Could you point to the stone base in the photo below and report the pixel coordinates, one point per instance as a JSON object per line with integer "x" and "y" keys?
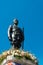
{"x": 18, "y": 56}
{"x": 22, "y": 62}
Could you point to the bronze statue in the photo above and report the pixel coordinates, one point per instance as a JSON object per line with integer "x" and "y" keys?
{"x": 16, "y": 56}
{"x": 15, "y": 34}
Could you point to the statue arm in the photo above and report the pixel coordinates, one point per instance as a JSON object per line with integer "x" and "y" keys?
{"x": 22, "y": 34}
{"x": 9, "y": 32}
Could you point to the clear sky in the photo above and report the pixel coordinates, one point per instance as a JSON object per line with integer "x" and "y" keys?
{"x": 30, "y": 16}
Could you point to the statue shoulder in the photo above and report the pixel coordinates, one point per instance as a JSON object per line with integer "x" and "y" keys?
{"x": 10, "y": 26}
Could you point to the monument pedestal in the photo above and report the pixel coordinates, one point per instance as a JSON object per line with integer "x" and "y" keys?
{"x": 18, "y": 57}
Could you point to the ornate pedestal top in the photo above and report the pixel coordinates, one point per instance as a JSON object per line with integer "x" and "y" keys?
{"x": 18, "y": 56}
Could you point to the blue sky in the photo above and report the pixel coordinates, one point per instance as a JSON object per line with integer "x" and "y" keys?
{"x": 30, "y": 16}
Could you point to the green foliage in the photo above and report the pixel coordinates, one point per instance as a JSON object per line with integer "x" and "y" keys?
{"x": 2, "y": 58}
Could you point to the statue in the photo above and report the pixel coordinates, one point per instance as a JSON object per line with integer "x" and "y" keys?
{"x": 17, "y": 56}
{"x": 15, "y": 35}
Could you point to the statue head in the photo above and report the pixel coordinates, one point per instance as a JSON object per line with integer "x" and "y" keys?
{"x": 15, "y": 21}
